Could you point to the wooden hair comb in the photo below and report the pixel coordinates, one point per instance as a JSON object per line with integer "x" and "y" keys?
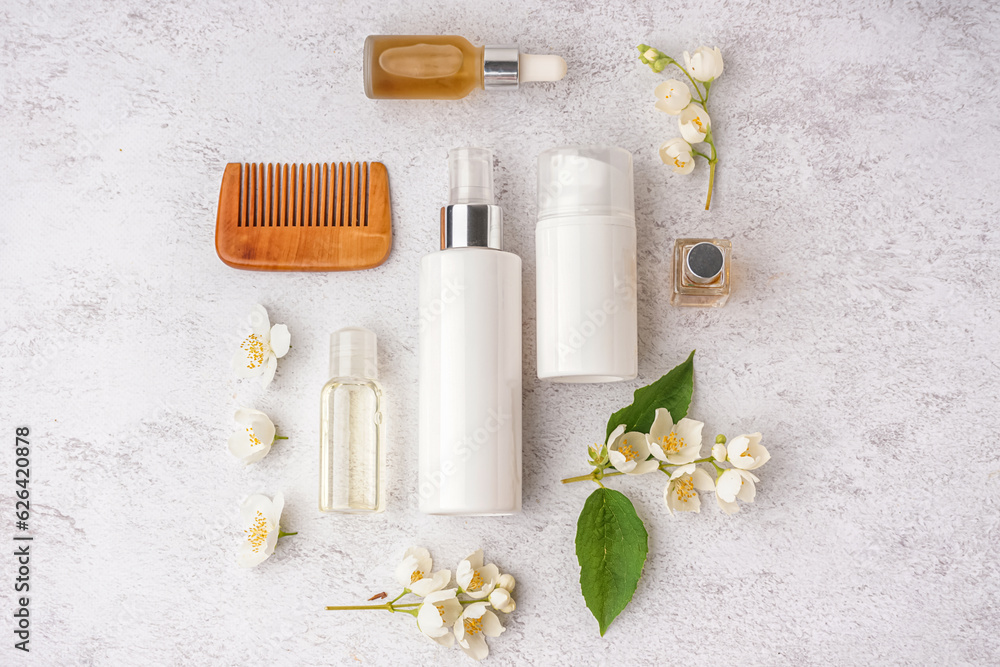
{"x": 315, "y": 217}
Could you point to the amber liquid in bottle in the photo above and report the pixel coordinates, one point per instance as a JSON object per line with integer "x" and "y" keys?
{"x": 429, "y": 67}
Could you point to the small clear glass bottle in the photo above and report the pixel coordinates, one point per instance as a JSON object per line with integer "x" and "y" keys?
{"x": 700, "y": 274}
{"x": 351, "y": 429}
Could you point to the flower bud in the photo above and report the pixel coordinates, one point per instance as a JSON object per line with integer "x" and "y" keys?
{"x": 719, "y": 452}
{"x": 506, "y": 582}
{"x": 501, "y": 600}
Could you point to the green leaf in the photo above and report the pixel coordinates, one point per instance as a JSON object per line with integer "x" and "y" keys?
{"x": 672, "y": 391}
{"x": 611, "y": 546}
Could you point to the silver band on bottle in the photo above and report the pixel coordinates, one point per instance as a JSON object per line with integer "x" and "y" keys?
{"x": 471, "y": 226}
{"x": 500, "y": 67}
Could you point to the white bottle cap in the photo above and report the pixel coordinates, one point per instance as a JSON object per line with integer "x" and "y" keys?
{"x": 541, "y": 68}
{"x": 585, "y": 181}
{"x": 353, "y": 354}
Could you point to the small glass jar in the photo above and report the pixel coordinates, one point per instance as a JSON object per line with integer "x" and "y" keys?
{"x": 700, "y": 275}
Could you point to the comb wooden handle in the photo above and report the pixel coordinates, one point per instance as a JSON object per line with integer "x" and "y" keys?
{"x": 304, "y": 217}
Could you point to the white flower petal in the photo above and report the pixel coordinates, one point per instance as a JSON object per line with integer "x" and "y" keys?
{"x": 665, "y": 107}
{"x": 474, "y": 646}
{"x": 446, "y": 639}
{"x": 747, "y": 492}
{"x": 280, "y": 340}
{"x": 719, "y": 452}
{"x": 475, "y": 559}
{"x": 406, "y": 568}
{"x": 615, "y": 434}
{"x": 727, "y": 507}
{"x": 620, "y": 463}
{"x": 429, "y": 620}
{"x": 637, "y": 441}
{"x": 643, "y": 467}
{"x": 248, "y": 557}
{"x": 728, "y": 485}
{"x": 702, "y": 480}
{"x": 277, "y": 505}
{"x": 272, "y": 366}
{"x": 689, "y": 430}
{"x": 662, "y": 426}
{"x": 259, "y": 322}
{"x": 264, "y": 429}
{"x": 736, "y": 447}
{"x": 684, "y": 470}
{"x": 760, "y": 455}
{"x": 247, "y": 416}
{"x": 491, "y": 625}
{"x": 252, "y": 505}
{"x": 490, "y": 574}
{"x": 475, "y": 610}
{"x": 656, "y": 450}
{"x": 248, "y": 360}
{"x": 239, "y": 444}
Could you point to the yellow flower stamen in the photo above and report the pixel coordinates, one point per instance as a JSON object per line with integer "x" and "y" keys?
{"x": 257, "y": 532}
{"x": 440, "y": 608}
{"x": 627, "y": 451}
{"x": 416, "y": 576}
{"x": 476, "y": 582}
{"x": 254, "y": 347}
{"x": 672, "y": 443}
{"x": 746, "y": 452}
{"x": 697, "y": 121}
{"x": 473, "y": 626}
{"x": 685, "y": 489}
{"x": 254, "y": 440}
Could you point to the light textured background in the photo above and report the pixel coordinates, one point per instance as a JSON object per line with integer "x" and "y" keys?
{"x": 858, "y": 183}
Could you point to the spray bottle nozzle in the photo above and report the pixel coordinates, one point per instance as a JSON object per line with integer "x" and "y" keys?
{"x": 471, "y": 175}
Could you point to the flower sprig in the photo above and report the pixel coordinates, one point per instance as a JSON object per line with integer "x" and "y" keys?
{"x": 674, "y": 450}
{"x": 448, "y": 616}
{"x": 675, "y": 98}
{"x": 643, "y": 438}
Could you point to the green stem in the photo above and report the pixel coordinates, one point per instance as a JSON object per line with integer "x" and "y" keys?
{"x": 711, "y": 183}
{"x": 356, "y": 607}
{"x": 384, "y": 607}
{"x": 281, "y": 437}
{"x": 710, "y": 140}
{"x": 592, "y": 477}
{"x": 405, "y": 591}
{"x": 282, "y": 533}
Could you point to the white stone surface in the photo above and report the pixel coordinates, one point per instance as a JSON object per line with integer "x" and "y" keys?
{"x": 857, "y": 182}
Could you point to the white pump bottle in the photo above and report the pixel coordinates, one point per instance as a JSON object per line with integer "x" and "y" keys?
{"x": 470, "y": 353}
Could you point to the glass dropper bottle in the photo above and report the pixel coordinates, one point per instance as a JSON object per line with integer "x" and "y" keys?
{"x": 448, "y": 67}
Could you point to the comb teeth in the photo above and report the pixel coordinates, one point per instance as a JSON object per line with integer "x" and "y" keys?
{"x": 327, "y": 194}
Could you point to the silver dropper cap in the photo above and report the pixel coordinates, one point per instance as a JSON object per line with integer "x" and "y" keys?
{"x": 471, "y": 219}
{"x": 504, "y": 68}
